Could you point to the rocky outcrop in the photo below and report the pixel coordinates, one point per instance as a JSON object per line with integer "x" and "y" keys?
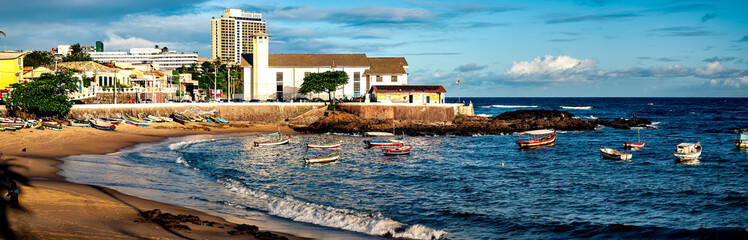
{"x": 510, "y": 122}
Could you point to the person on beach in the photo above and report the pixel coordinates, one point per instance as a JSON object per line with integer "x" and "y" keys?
{"x": 13, "y": 194}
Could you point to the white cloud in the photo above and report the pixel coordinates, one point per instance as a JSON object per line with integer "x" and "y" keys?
{"x": 550, "y": 68}
{"x": 738, "y": 82}
{"x": 116, "y": 43}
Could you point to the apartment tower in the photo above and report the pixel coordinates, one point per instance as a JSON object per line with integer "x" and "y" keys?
{"x": 232, "y": 34}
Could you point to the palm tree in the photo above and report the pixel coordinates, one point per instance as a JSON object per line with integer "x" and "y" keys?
{"x": 2, "y": 33}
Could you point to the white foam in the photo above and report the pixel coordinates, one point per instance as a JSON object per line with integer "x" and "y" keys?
{"x": 183, "y": 144}
{"x": 590, "y": 117}
{"x": 577, "y": 107}
{"x": 297, "y": 210}
{"x": 484, "y": 115}
{"x": 514, "y": 106}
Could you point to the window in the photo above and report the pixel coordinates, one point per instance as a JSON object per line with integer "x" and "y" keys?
{"x": 279, "y": 85}
{"x": 356, "y": 76}
{"x": 394, "y": 78}
{"x": 379, "y": 78}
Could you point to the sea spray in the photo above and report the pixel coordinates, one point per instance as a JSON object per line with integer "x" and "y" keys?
{"x": 351, "y": 220}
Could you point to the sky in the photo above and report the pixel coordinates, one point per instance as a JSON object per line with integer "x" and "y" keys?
{"x": 562, "y": 48}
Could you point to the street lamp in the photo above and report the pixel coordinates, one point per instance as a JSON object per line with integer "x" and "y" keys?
{"x": 458, "y": 91}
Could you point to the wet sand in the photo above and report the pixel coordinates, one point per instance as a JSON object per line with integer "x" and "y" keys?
{"x": 52, "y": 208}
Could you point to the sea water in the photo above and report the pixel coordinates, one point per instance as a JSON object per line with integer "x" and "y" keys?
{"x": 466, "y": 187}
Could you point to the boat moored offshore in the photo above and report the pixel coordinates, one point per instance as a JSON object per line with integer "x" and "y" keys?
{"x": 687, "y": 151}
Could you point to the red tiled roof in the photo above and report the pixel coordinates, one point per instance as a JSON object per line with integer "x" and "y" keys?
{"x": 391, "y": 65}
{"x": 316, "y": 60}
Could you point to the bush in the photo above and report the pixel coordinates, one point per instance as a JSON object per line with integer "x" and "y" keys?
{"x": 45, "y": 96}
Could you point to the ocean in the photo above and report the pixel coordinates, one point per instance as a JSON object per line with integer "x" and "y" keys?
{"x": 465, "y": 187}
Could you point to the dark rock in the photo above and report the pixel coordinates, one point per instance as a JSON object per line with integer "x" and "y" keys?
{"x": 171, "y": 221}
{"x": 533, "y": 114}
{"x": 624, "y": 123}
{"x": 244, "y": 229}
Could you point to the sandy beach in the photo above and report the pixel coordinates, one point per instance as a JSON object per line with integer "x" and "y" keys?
{"x": 52, "y": 208}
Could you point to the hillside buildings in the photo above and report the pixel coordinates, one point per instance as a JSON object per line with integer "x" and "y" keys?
{"x": 232, "y": 34}
{"x": 279, "y": 76}
{"x": 153, "y": 57}
{"x": 11, "y": 68}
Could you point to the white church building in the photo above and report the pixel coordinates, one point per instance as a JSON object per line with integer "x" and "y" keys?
{"x": 279, "y": 76}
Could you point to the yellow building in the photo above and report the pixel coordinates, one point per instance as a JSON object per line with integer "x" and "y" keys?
{"x": 232, "y": 34}
{"x": 11, "y": 68}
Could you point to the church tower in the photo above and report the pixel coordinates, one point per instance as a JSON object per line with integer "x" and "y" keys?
{"x": 256, "y": 74}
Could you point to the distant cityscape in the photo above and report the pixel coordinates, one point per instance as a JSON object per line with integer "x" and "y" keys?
{"x": 241, "y": 68}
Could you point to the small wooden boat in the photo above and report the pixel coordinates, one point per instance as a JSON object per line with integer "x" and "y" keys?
{"x": 398, "y": 140}
{"x": 79, "y": 123}
{"x": 269, "y": 134}
{"x": 687, "y": 151}
{"x": 537, "y": 138}
{"x": 180, "y": 118}
{"x": 379, "y": 134}
{"x": 404, "y": 150}
{"x": 632, "y": 145}
{"x": 218, "y": 120}
{"x": 331, "y": 145}
{"x": 323, "y": 158}
{"x": 741, "y": 138}
{"x": 137, "y": 123}
{"x": 372, "y": 143}
{"x": 51, "y": 125}
{"x": 273, "y": 142}
{"x": 115, "y": 121}
{"x": 609, "y": 153}
{"x": 102, "y": 124}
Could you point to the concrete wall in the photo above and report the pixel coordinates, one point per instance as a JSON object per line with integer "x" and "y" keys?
{"x": 413, "y": 112}
{"x": 255, "y": 112}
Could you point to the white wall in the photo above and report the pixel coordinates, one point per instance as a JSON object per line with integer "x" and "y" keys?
{"x": 293, "y": 77}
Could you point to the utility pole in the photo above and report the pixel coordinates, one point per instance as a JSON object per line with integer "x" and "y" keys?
{"x": 115, "y": 87}
{"x": 458, "y": 91}
{"x": 215, "y": 81}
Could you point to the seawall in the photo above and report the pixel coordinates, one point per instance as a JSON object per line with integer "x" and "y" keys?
{"x": 274, "y": 112}
{"x": 404, "y": 112}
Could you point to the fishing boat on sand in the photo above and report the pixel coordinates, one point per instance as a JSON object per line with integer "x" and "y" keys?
{"x": 404, "y": 150}
{"x": 273, "y": 142}
{"x": 218, "y": 120}
{"x": 609, "y": 153}
{"x": 687, "y": 151}
{"x": 102, "y": 124}
{"x": 323, "y": 158}
{"x": 52, "y": 125}
{"x": 536, "y": 138}
{"x": 741, "y": 138}
{"x": 329, "y": 145}
{"x": 180, "y": 118}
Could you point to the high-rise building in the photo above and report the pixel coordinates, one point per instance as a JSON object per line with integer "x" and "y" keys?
{"x": 232, "y": 34}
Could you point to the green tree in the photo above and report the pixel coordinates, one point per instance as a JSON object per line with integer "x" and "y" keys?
{"x": 164, "y": 49}
{"x": 76, "y": 49}
{"x": 77, "y": 57}
{"x": 45, "y": 96}
{"x": 323, "y": 82}
{"x": 37, "y": 58}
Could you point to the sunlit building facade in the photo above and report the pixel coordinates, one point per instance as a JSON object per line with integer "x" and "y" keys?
{"x": 232, "y": 34}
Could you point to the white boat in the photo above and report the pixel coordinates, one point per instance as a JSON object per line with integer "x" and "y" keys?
{"x": 379, "y": 134}
{"x": 609, "y": 153}
{"x": 687, "y": 151}
{"x": 323, "y": 158}
{"x": 279, "y": 141}
{"x": 741, "y": 138}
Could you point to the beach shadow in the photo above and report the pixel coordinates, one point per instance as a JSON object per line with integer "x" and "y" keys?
{"x": 106, "y": 191}
{"x": 8, "y": 182}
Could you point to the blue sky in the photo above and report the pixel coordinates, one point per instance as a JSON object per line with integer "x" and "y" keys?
{"x": 594, "y": 48}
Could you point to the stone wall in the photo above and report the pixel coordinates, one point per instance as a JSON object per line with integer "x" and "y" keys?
{"x": 108, "y": 98}
{"x": 254, "y": 112}
{"x": 413, "y": 112}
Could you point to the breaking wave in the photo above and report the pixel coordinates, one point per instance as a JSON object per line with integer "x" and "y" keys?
{"x": 510, "y": 106}
{"x": 297, "y": 210}
{"x": 183, "y": 144}
{"x": 483, "y": 115}
{"x": 577, "y": 107}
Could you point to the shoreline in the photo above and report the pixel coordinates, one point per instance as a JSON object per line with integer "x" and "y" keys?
{"x": 53, "y": 208}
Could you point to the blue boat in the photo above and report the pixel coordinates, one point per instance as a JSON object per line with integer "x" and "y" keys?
{"x": 269, "y": 134}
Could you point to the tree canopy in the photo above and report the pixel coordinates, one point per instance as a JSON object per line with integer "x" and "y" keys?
{"x": 323, "y": 82}
{"x": 45, "y": 96}
{"x": 77, "y": 57}
{"x": 37, "y": 58}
